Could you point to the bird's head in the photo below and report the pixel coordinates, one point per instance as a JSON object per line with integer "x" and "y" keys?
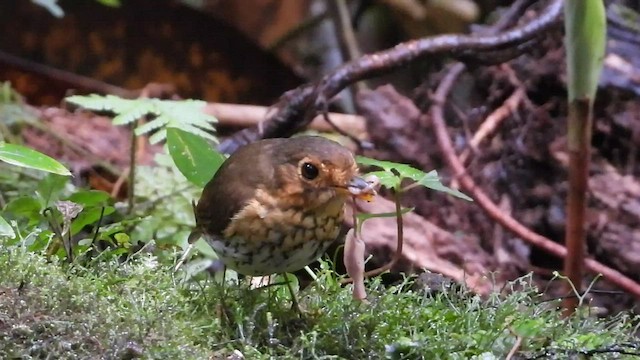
{"x": 306, "y": 173}
{"x": 317, "y": 171}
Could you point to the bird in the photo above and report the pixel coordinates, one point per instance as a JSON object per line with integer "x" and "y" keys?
{"x": 275, "y": 205}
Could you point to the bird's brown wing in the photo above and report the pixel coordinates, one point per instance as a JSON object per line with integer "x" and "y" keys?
{"x": 234, "y": 185}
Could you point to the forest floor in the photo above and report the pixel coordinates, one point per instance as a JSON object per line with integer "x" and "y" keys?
{"x": 516, "y": 114}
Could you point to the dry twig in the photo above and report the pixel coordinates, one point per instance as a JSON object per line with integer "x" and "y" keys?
{"x": 514, "y": 348}
{"x": 493, "y": 120}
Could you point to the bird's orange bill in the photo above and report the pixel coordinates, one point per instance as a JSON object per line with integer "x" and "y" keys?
{"x": 363, "y": 189}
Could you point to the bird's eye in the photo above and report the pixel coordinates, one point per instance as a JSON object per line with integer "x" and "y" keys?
{"x": 309, "y": 171}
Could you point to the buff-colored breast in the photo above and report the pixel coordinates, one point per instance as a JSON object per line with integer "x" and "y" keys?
{"x": 266, "y": 237}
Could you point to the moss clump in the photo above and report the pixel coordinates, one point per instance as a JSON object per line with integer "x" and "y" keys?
{"x": 140, "y": 310}
{"x": 117, "y": 311}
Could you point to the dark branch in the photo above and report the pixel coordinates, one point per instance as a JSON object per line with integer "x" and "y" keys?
{"x": 297, "y": 107}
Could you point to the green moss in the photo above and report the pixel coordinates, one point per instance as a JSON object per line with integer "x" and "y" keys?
{"x": 49, "y": 311}
{"x": 141, "y": 309}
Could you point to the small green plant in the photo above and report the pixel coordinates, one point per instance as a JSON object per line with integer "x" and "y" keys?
{"x": 12, "y": 111}
{"x": 393, "y": 174}
{"x": 60, "y": 214}
{"x": 585, "y": 26}
{"x": 392, "y": 177}
{"x": 185, "y": 117}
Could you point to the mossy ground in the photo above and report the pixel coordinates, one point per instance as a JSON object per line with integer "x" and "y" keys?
{"x": 140, "y": 308}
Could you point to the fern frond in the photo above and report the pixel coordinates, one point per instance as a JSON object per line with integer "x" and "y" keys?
{"x": 184, "y": 114}
{"x": 158, "y": 122}
{"x": 132, "y": 113}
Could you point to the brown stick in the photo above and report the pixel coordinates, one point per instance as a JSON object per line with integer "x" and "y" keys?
{"x": 492, "y": 210}
{"x": 251, "y": 115}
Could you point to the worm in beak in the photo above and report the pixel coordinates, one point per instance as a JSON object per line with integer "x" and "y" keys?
{"x": 364, "y": 189}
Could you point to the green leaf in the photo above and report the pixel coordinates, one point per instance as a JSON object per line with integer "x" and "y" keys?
{"x": 5, "y": 229}
{"x": 100, "y": 103}
{"x": 432, "y": 181}
{"x": 585, "y": 31}
{"x": 110, "y": 3}
{"x": 131, "y": 111}
{"x": 193, "y": 156}
{"x": 388, "y": 179}
{"x": 26, "y": 206}
{"x": 93, "y": 201}
{"x": 107, "y": 231}
{"x": 528, "y": 328}
{"x": 88, "y": 217}
{"x": 88, "y": 198}
{"x": 123, "y": 240}
{"x": 25, "y": 157}
{"x": 50, "y": 188}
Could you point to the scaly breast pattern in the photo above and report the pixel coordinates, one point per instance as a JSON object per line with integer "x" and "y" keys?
{"x": 266, "y": 238}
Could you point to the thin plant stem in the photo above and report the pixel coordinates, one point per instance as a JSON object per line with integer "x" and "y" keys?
{"x": 580, "y": 119}
{"x": 585, "y": 28}
{"x": 132, "y": 167}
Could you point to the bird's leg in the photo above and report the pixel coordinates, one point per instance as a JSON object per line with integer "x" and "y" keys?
{"x": 294, "y": 298}
{"x": 270, "y": 293}
{"x": 223, "y": 312}
{"x": 224, "y": 283}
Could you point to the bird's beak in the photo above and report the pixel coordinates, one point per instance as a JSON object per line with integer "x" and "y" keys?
{"x": 362, "y": 189}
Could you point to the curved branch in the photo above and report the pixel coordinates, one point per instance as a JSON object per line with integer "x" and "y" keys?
{"x": 405, "y": 53}
{"x": 297, "y": 107}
